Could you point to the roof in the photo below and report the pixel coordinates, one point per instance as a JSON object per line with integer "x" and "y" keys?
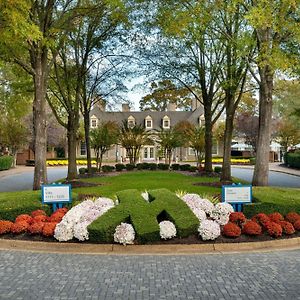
{"x": 157, "y": 116}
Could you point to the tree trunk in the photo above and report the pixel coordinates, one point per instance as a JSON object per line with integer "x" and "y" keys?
{"x": 100, "y": 161}
{"x": 208, "y": 140}
{"x": 86, "y": 118}
{"x": 72, "y": 143}
{"x": 39, "y": 112}
{"x": 226, "y": 165}
{"x": 261, "y": 169}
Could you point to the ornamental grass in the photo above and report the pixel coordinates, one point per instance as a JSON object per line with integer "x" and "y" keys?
{"x": 231, "y": 230}
{"x": 5, "y": 226}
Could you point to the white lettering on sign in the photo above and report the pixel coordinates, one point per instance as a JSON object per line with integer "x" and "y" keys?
{"x": 237, "y": 194}
{"x": 56, "y": 193}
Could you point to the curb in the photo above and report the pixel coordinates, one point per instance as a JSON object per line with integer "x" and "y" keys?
{"x": 115, "y": 249}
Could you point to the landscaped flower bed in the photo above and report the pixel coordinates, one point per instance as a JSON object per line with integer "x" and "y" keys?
{"x": 149, "y": 217}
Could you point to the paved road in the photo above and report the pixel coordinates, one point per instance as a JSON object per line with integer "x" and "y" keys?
{"x": 23, "y": 180}
{"x": 273, "y": 275}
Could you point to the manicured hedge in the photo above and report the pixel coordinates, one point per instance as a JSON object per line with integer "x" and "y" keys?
{"x": 134, "y": 209}
{"x": 120, "y": 167}
{"x": 5, "y": 162}
{"x": 107, "y": 168}
{"x": 293, "y": 159}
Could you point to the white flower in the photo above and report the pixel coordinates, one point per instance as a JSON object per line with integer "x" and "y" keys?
{"x": 221, "y": 213}
{"x": 199, "y": 213}
{"x": 124, "y": 234}
{"x": 196, "y": 201}
{"x": 80, "y": 231}
{"x": 145, "y": 195}
{"x": 167, "y": 230}
{"x": 209, "y": 230}
{"x": 102, "y": 201}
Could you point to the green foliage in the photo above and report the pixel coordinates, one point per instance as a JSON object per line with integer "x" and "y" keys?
{"x": 196, "y": 138}
{"x": 293, "y": 159}
{"x": 107, "y": 168}
{"x": 152, "y": 166}
{"x": 175, "y": 167}
{"x": 120, "y": 167}
{"x": 82, "y": 170}
{"x": 218, "y": 169}
{"x": 185, "y": 167}
{"x": 130, "y": 167}
{"x": 161, "y": 166}
{"x": 134, "y": 209}
{"x": 6, "y": 162}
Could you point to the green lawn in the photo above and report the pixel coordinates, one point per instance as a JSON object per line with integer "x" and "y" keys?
{"x": 268, "y": 199}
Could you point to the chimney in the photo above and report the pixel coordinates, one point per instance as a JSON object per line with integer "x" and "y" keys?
{"x": 195, "y": 104}
{"x": 171, "y": 107}
{"x": 125, "y": 107}
{"x": 101, "y": 104}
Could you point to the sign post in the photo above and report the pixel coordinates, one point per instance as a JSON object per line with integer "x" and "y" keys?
{"x": 56, "y": 194}
{"x": 237, "y": 195}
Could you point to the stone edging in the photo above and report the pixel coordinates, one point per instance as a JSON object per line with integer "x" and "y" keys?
{"x": 114, "y": 249}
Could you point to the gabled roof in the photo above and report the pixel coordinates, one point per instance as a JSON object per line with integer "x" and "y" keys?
{"x": 157, "y": 116}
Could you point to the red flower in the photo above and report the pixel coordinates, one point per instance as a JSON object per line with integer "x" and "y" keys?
{"x": 252, "y": 228}
{"x": 261, "y": 219}
{"x": 274, "y": 229}
{"x": 297, "y": 225}
{"x": 36, "y": 228}
{"x": 56, "y": 217}
{"x": 40, "y": 218}
{"x": 5, "y": 226}
{"x": 25, "y": 218}
{"x": 276, "y": 217}
{"x": 48, "y": 229}
{"x": 19, "y": 227}
{"x": 38, "y": 212}
{"x": 63, "y": 210}
{"x": 292, "y": 217}
{"x": 231, "y": 230}
{"x": 287, "y": 227}
{"x": 237, "y": 217}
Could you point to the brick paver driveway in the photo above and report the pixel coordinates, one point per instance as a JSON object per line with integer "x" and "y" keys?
{"x": 270, "y": 275}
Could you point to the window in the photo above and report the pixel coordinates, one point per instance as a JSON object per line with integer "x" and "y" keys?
{"x": 131, "y": 121}
{"x": 191, "y": 151}
{"x": 148, "y": 122}
{"x": 201, "y": 120}
{"x": 82, "y": 148}
{"x": 94, "y": 123}
{"x": 166, "y": 122}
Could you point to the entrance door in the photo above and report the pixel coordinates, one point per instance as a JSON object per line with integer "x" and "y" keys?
{"x": 149, "y": 153}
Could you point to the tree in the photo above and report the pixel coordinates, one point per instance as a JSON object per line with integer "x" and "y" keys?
{"x": 29, "y": 29}
{"x": 274, "y": 23}
{"x": 102, "y": 139}
{"x": 169, "y": 139}
{"x": 133, "y": 138}
{"x": 197, "y": 143}
{"x": 163, "y": 93}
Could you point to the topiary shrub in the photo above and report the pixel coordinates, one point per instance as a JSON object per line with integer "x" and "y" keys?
{"x": 193, "y": 169}
{"x": 162, "y": 166}
{"x": 218, "y": 169}
{"x": 145, "y": 166}
{"x": 231, "y": 230}
{"x": 175, "y": 167}
{"x": 237, "y": 218}
{"x": 293, "y": 159}
{"x": 82, "y": 170}
{"x": 120, "y": 167}
{"x": 287, "y": 227}
{"x": 185, "y": 167}
{"x": 153, "y": 166}
{"x": 276, "y": 217}
{"x": 6, "y": 162}
{"x": 107, "y": 168}
{"x": 274, "y": 229}
{"x": 252, "y": 228}
{"x": 130, "y": 167}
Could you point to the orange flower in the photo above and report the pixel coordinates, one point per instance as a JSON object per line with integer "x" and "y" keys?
{"x": 231, "y": 230}
{"x": 40, "y": 218}
{"x": 19, "y": 227}
{"x": 25, "y": 218}
{"x": 5, "y": 226}
{"x": 38, "y": 212}
{"x": 49, "y": 228}
{"x": 36, "y": 228}
{"x": 252, "y": 228}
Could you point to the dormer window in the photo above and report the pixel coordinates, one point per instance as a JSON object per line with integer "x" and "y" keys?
{"x": 148, "y": 122}
{"x": 202, "y": 120}
{"x": 131, "y": 121}
{"x": 94, "y": 122}
{"x": 166, "y": 122}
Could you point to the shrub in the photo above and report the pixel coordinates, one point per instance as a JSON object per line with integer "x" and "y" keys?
{"x": 162, "y": 166}
{"x": 287, "y": 227}
{"x": 107, "y": 168}
{"x": 130, "y": 167}
{"x": 297, "y": 224}
{"x": 209, "y": 230}
{"x": 93, "y": 170}
{"x": 193, "y": 169}
{"x": 38, "y": 212}
{"x": 252, "y": 160}
{"x": 120, "y": 167}
{"x": 175, "y": 167}
{"x": 5, "y": 162}
{"x": 56, "y": 216}
{"x": 252, "y": 228}
{"x": 185, "y": 167}
{"x": 124, "y": 234}
{"x": 145, "y": 166}
{"x": 24, "y": 217}
{"x": 237, "y": 218}
{"x": 218, "y": 169}
{"x": 276, "y": 217}
{"x": 261, "y": 219}
{"x": 48, "y": 229}
{"x": 82, "y": 170}
{"x": 138, "y": 166}
{"x": 292, "y": 217}
{"x": 36, "y": 228}
{"x": 5, "y": 226}
{"x": 19, "y": 227}
{"x": 40, "y": 218}
{"x": 274, "y": 229}
{"x": 231, "y": 230}
{"x": 293, "y": 159}
{"x": 153, "y": 166}
{"x": 30, "y": 162}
